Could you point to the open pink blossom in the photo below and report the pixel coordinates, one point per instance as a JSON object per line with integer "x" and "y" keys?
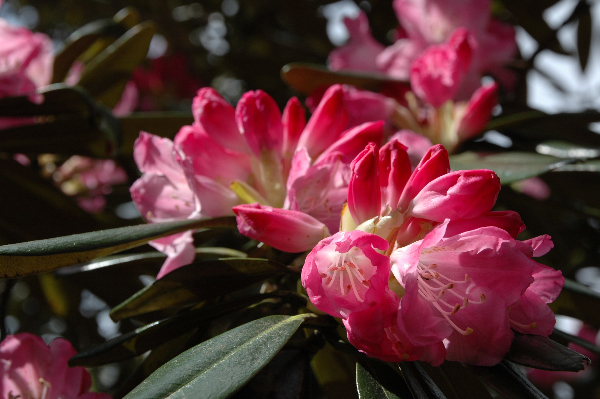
{"x": 469, "y": 283}
{"x": 32, "y": 369}
{"x": 345, "y": 273}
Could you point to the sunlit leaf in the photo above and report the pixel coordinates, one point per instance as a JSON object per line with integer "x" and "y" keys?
{"x": 419, "y": 382}
{"x": 222, "y": 365}
{"x": 542, "y": 353}
{"x": 564, "y": 149}
{"x": 507, "y": 380}
{"x": 307, "y": 77}
{"x": 196, "y": 282}
{"x": 376, "y": 380}
{"x": 45, "y": 255}
{"x": 509, "y": 166}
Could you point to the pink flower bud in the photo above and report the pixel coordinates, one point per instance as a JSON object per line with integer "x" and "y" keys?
{"x": 478, "y": 111}
{"x": 294, "y": 122}
{"x": 259, "y": 120}
{"x": 286, "y": 230}
{"x": 463, "y": 194}
{"x": 364, "y": 193}
{"x": 394, "y": 172}
{"x": 353, "y": 141}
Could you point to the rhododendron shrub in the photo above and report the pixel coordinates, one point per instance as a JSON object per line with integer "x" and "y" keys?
{"x": 277, "y": 164}
{"x": 422, "y": 269}
{"x": 31, "y": 369}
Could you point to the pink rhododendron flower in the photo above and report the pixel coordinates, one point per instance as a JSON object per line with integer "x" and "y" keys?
{"x": 252, "y": 154}
{"x": 32, "y": 369}
{"x": 461, "y": 282}
{"x": 427, "y": 23}
{"x": 26, "y": 61}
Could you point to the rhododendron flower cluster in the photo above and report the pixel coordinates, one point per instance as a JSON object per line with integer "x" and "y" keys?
{"x": 290, "y": 173}
{"x": 423, "y": 269}
{"x": 31, "y": 369}
{"x": 424, "y": 23}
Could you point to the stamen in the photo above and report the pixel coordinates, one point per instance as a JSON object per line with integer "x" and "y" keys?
{"x": 523, "y": 326}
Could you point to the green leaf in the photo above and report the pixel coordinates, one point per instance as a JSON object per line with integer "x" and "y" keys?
{"x": 307, "y": 77}
{"x": 542, "y": 353}
{"x": 564, "y": 149}
{"x": 106, "y": 75}
{"x": 148, "y": 337}
{"x": 507, "y": 380}
{"x": 419, "y": 382}
{"x": 584, "y": 35}
{"x": 46, "y": 255}
{"x": 456, "y": 382}
{"x": 375, "y": 380}
{"x": 509, "y": 166}
{"x": 561, "y": 335}
{"x": 163, "y": 124}
{"x": 67, "y": 122}
{"x": 222, "y": 365}
{"x": 193, "y": 283}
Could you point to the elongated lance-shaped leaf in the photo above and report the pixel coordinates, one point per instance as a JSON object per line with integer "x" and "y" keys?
{"x": 307, "y": 77}
{"x": 222, "y": 365}
{"x": 509, "y": 166}
{"x": 150, "y": 336}
{"x": 507, "y": 380}
{"x": 196, "y": 282}
{"x": 419, "y": 382}
{"x": 39, "y": 256}
{"x": 375, "y": 380}
{"x": 542, "y": 353}
{"x": 561, "y": 335}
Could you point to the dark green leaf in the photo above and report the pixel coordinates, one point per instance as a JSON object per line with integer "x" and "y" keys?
{"x": 561, "y": 335}
{"x": 106, "y": 75}
{"x": 196, "y": 282}
{"x": 419, "y": 382}
{"x": 45, "y": 255}
{"x": 163, "y": 124}
{"x": 542, "y": 353}
{"x": 376, "y": 380}
{"x": 509, "y": 166}
{"x": 148, "y": 337}
{"x": 584, "y": 35}
{"x": 222, "y": 365}
{"x": 578, "y": 300}
{"x": 67, "y": 122}
{"x": 307, "y": 77}
{"x": 507, "y": 380}
{"x": 587, "y": 166}
{"x": 455, "y": 382}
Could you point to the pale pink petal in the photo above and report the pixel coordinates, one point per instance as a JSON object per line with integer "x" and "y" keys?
{"x": 361, "y": 50}
{"x": 179, "y": 249}
{"x": 159, "y": 199}
{"x": 509, "y": 221}
{"x": 417, "y": 144}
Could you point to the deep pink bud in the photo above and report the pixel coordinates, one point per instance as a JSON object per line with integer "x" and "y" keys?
{"x": 259, "y": 120}
{"x": 217, "y": 118}
{"x": 508, "y": 221}
{"x": 294, "y": 122}
{"x": 364, "y": 193}
{"x": 344, "y": 273}
{"x": 436, "y": 75}
{"x": 326, "y": 123}
{"x": 434, "y": 164}
{"x": 478, "y": 111}
{"x": 463, "y": 194}
{"x": 394, "y": 172}
{"x": 286, "y": 230}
